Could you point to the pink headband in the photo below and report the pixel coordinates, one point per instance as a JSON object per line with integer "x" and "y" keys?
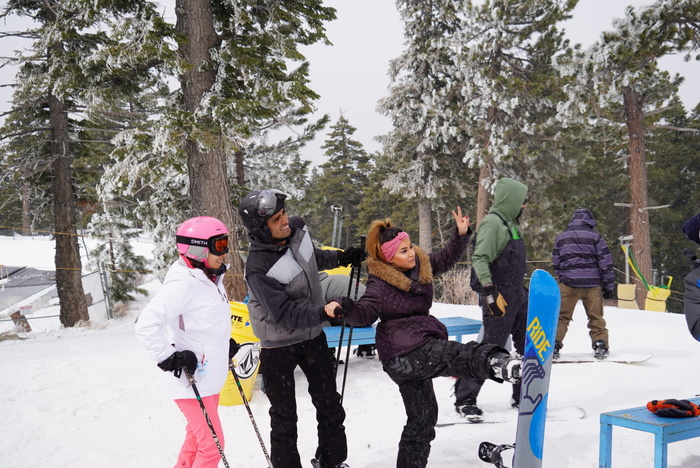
{"x": 389, "y": 248}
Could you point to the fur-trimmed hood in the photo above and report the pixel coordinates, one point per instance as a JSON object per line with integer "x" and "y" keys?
{"x": 398, "y": 279}
{"x": 402, "y": 300}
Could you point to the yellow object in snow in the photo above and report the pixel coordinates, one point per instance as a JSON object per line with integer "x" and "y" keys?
{"x": 246, "y": 361}
{"x": 656, "y": 297}
{"x": 625, "y": 296}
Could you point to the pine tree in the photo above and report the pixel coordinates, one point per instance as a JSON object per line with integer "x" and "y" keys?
{"x": 236, "y": 88}
{"x": 510, "y": 89}
{"x": 423, "y": 102}
{"x": 673, "y": 172}
{"x": 74, "y": 70}
{"x": 619, "y": 75}
{"x": 341, "y": 182}
{"x": 24, "y": 160}
{"x": 379, "y": 202}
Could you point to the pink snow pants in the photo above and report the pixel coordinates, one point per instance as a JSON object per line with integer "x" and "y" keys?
{"x": 199, "y": 449}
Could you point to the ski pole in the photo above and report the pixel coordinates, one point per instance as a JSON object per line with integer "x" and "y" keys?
{"x": 342, "y": 328}
{"x": 250, "y": 414}
{"x": 190, "y": 379}
{"x": 357, "y": 287}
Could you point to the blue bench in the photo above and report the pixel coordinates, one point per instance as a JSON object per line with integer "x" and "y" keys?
{"x": 665, "y": 430}
{"x": 456, "y": 326}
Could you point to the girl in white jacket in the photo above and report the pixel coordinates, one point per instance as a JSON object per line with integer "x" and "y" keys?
{"x": 187, "y": 326}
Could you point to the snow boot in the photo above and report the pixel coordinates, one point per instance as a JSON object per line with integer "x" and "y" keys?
{"x": 558, "y": 345}
{"x": 317, "y": 464}
{"x": 468, "y": 409}
{"x": 506, "y": 367}
{"x": 365, "y": 351}
{"x": 333, "y": 353}
{"x": 600, "y": 350}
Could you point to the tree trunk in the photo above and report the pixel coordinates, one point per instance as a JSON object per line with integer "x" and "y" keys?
{"x": 425, "y": 240}
{"x": 209, "y": 184}
{"x": 482, "y": 198}
{"x": 639, "y": 215}
{"x": 26, "y": 212}
{"x": 73, "y": 306}
{"x": 240, "y": 168}
{"x": 483, "y": 202}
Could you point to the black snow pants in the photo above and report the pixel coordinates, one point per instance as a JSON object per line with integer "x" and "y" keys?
{"x": 277, "y": 365}
{"x": 413, "y": 372}
{"x": 497, "y": 331}
{"x": 508, "y": 274}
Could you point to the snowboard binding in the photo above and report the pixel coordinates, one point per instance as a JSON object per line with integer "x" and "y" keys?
{"x": 491, "y": 453}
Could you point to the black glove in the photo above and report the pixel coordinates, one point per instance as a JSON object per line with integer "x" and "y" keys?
{"x": 233, "y": 348}
{"x": 608, "y": 293}
{"x": 351, "y": 256}
{"x": 345, "y": 309}
{"x": 492, "y": 300}
{"x": 177, "y": 361}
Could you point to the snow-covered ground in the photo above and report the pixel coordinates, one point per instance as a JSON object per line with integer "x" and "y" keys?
{"x": 90, "y": 397}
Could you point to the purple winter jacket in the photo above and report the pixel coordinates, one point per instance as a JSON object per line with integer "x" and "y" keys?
{"x": 402, "y": 300}
{"x": 581, "y": 256}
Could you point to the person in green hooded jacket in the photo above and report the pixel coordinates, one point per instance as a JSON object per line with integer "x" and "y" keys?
{"x": 498, "y": 275}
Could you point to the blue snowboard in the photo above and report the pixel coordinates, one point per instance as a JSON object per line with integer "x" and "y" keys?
{"x": 542, "y": 317}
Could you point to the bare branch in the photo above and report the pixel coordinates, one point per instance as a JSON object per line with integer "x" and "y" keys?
{"x": 671, "y": 127}
{"x": 660, "y": 110}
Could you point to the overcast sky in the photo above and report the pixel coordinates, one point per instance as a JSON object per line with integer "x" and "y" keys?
{"x": 351, "y": 76}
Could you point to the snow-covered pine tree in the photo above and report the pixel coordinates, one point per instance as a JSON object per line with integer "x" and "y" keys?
{"x": 619, "y": 75}
{"x": 115, "y": 253}
{"x": 508, "y": 86}
{"x": 236, "y": 88}
{"x": 25, "y": 199}
{"x": 379, "y": 202}
{"x": 74, "y": 66}
{"x": 423, "y": 104}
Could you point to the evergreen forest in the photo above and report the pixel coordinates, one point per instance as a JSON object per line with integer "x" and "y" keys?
{"x": 125, "y": 124}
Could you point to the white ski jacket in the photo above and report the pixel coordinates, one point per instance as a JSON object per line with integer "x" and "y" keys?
{"x": 189, "y": 312}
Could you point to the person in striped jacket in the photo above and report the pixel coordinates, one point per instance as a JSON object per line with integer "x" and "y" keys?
{"x": 584, "y": 266}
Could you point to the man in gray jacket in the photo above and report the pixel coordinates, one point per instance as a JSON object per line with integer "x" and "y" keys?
{"x": 286, "y": 310}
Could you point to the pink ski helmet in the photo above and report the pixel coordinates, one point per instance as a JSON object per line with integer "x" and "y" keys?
{"x": 198, "y": 236}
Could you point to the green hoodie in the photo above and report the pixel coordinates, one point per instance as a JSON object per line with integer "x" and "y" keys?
{"x": 492, "y": 235}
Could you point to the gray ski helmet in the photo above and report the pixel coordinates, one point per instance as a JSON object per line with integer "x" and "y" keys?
{"x": 259, "y": 206}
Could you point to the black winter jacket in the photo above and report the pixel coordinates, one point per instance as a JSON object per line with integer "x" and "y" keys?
{"x": 286, "y": 301}
{"x": 691, "y": 302}
{"x": 402, "y": 300}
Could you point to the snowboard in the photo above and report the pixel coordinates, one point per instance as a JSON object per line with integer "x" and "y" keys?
{"x": 542, "y": 317}
{"x": 567, "y": 413}
{"x": 619, "y": 358}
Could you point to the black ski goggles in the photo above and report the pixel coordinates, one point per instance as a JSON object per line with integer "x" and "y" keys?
{"x": 217, "y": 245}
{"x": 268, "y": 202}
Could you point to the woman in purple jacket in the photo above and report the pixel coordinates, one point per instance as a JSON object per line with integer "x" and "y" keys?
{"x": 411, "y": 343}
